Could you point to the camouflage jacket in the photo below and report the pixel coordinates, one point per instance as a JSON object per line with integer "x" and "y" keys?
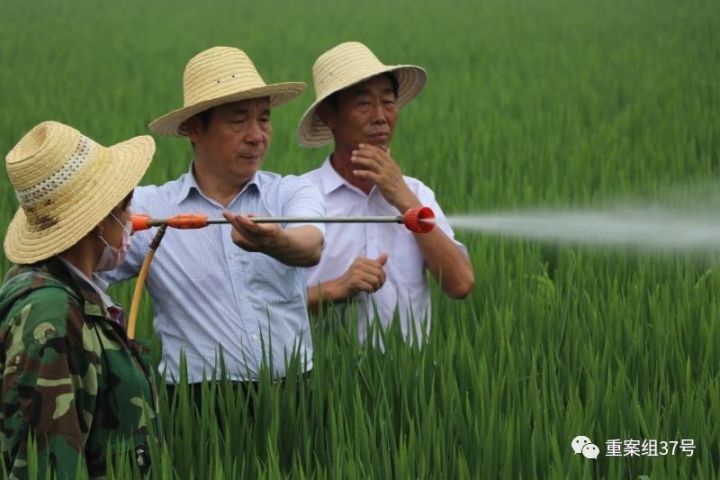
{"x": 70, "y": 377}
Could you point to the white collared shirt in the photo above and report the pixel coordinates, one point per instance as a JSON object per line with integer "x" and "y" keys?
{"x": 209, "y": 295}
{"x": 113, "y": 310}
{"x": 406, "y": 289}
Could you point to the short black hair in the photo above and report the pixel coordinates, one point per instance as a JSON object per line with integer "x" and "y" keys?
{"x": 206, "y": 116}
{"x": 333, "y": 99}
{"x": 125, "y": 203}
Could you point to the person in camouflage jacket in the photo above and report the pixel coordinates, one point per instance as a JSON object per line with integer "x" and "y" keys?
{"x": 70, "y": 375}
{"x": 72, "y": 382}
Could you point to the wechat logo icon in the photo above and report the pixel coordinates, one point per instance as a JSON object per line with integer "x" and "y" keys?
{"x": 582, "y": 444}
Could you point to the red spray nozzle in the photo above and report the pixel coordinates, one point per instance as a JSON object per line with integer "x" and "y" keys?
{"x": 419, "y": 219}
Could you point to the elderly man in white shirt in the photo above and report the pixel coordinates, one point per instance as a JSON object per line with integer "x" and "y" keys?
{"x": 380, "y": 266}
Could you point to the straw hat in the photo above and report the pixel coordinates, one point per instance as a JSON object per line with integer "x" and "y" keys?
{"x": 66, "y": 184}
{"x": 217, "y": 76}
{"x": 343, "y": 66}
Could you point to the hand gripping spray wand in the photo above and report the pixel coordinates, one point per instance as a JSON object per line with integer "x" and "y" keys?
{"x": 417, "y": 220}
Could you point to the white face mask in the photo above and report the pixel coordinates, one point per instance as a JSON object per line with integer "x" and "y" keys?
{"x": 112, "y": 257}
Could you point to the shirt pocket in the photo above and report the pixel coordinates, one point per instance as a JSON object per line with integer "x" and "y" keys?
{"x": 406, "y": 265}
{"x": 273, "y": 282}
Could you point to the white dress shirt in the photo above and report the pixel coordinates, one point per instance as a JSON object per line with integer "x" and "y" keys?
{"x": 211, "y": 295}
{"x": 405, "y": 291}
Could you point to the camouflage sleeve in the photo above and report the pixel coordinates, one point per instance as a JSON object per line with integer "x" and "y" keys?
{"x": 48, "y": 385}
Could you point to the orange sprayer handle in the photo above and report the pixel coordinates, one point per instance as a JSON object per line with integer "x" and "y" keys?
{"x": 140, "y": 222}
{"x": 187, "y": 220}
{"x": 184, "y": 221}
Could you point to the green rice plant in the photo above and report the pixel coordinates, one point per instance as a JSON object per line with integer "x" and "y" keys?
{"x": 529, "y": 103}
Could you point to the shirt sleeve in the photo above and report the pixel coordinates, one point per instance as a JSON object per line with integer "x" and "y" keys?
{"x": 48, "y": 386}
{"x": 427, "y": 198}
{"x": 302, "y": 199}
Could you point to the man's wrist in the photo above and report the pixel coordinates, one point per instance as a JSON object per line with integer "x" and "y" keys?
{"x": 334, "y": 291}
{"x": 330, "y": 292}
{"x": 407, "y": 204}
{"x": 279, "y": 244}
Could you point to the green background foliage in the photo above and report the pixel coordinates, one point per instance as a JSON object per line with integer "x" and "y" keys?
{"x": 529, "y": 103}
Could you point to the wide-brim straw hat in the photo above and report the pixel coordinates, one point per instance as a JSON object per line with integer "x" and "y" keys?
{"x": 66, "y": 185}
{"x": 217, "y": 76}
{"x": 343, "y": 66}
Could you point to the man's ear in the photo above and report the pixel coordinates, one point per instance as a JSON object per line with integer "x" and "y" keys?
{"x": 192, "y": 127}
{"x": 326, "y": 113}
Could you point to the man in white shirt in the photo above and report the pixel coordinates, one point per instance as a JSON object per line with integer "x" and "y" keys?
{"x": 381, "y": 266}
{"x": 236, "y": 290}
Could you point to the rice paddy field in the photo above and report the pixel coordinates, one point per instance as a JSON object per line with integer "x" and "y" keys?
{"x": 529, "y": 103}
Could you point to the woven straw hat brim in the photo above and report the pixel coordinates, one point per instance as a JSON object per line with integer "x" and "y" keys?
{"x": 120, "y": 169}
{"x": 312, "y": 131}
{"x": 279, "y": 93}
